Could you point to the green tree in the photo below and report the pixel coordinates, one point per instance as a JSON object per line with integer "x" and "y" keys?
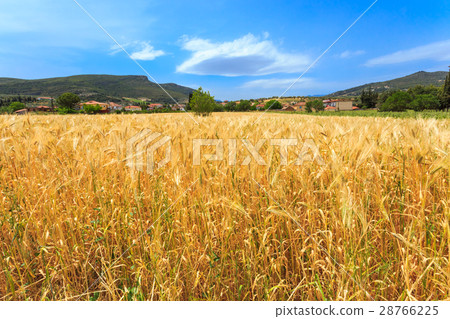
{"x": 143, "y": 105}
{"x": 15, "y": 106}
{"x": 316, "y": 105}
{"x": 445, "y": 93}
{"x": 425, "y": 102}
{"x": 202, "y": 103}
{"x": 397, "y": 102}
{"x": 68, "y": 101}
{"x": 244, "y": 106}
{"x": 382, "y": 98}
{"x": 369, "y": 98}
{"x": 231, "y": 107}
{"x": 92, "y": 109}
{"x": 218, "y": 108}
{"x": 273, "y": 105}
{"x": 421, "y": 90}
{"x": 308, "y": 107}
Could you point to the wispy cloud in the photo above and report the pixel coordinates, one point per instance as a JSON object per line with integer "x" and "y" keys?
{"x": 437, "y": 51}
{"x": 350, "y": 54}
{"x": 140, "y": 50}
{"x": 248, "y": 55}
{"x": 147, "y": 53}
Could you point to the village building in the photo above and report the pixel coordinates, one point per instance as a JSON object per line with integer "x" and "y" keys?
{"x": 178, "y": 107}
{"x": 115, "y": 107}
{"x": 133, "y": 108}
{"x": 300, "y": 106}
{"x": 289, "y": 108}
{"x": 41, "y": 108}
{"x": 155, "y": 106}
{"x": 105, "y": 107}
{"x": 21, "y": 112}
{"x": 338, "y": 105}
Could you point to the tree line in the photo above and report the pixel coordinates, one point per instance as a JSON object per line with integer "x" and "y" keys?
{"x": 6, "y": 101}
{"x": 418, "y": 98}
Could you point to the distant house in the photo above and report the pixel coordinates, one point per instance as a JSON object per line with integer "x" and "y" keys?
{"x": 115, "y": 106}
{"x": 300, "y": 106}
{"x": 289, "y": 108}
{"x": 91, "y": 103}
{"x": 155, "y": 106}
{"x": 260, "y": 106}
{"x": 105, "y": 108}
{"x": 21, "y": 112}
{"x": 338, "y": 105}
{"x": 355, "y": 108}
{"x": 41, "y": 108}
{"x": 178, "y": 107}
{"x": 330, "y": 108}
{"x": 133, "y": 108}
{"x": 42, "y": 98}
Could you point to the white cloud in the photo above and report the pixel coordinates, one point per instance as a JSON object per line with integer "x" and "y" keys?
{"x": 141, "y": 50}
{"x": 437, "y": 51}
{"x": 350, "y": 54}
{"x": 244, "y": 56}
{"x": 147, "y": 53}
{"x": 281, "y": 84}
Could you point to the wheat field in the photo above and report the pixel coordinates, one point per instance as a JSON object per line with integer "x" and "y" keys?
{"x": 369, "y": 223}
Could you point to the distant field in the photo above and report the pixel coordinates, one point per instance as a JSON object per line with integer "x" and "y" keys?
{"x": 370, "y": 222}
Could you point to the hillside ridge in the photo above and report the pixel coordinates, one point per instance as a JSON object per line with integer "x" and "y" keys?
{"x": 99, "y": 87}
{"x": 403, "y": 83}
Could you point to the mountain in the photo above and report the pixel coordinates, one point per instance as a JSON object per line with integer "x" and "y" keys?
{"x": 97, "y": 87}
{"x": 403, "y": 83}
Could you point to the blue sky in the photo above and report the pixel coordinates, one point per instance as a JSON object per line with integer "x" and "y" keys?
{"x": 235, "y": 49}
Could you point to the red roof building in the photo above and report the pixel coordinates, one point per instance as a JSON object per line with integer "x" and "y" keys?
{"x": 115, "y": 106}
{"x": 155, "y": 106}
{"x": 300, "y": 106}
{"x": 21, "y": 112}
{"x": 133, "y": 108}
{"x": 41, "y": 108}
{"x": 338, "y": 105}
{"x": 289, "y": 108}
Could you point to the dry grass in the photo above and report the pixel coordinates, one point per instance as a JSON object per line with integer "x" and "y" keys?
{"x": 70, "y": 209}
